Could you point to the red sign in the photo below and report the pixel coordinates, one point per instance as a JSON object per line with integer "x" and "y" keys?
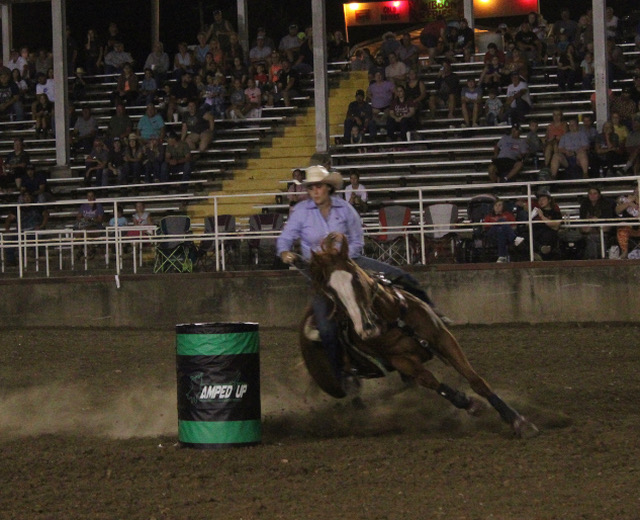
{"x": 376, "y": 13}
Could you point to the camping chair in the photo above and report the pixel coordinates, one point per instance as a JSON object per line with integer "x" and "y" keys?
{"x": 226, "y": 225}
{"x": 270, "y": 223}
{"x": 440, "y": 235}
{"x": 479, "y": 207}
{"x": 177, "y": 254}
{"x": 394, "y": 246}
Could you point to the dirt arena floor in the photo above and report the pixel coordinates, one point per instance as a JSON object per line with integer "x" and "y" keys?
{"x": 88, "y": 430}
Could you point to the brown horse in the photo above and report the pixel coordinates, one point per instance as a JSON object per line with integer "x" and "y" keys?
{"x": 389, "y": 327}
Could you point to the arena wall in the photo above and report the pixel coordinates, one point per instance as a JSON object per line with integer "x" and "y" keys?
{"x": 480, "y": 294}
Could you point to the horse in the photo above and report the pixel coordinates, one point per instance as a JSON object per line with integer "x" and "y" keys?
{"x": 387, "y": 328}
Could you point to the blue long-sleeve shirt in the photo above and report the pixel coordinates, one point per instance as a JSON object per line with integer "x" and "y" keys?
{"x": 307, "y": 224}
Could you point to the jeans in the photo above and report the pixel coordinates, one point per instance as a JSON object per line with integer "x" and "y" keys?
{"x": 166, "y": 169}
{"x": 503, "y": 235}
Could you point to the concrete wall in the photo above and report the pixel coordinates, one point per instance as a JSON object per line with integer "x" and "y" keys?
{"x": 509, "y": 293}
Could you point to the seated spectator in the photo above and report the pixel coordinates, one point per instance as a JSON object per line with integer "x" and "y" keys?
{"x": 287, "y": 84}
{"x": 35, "y": 184}
{"x": 359, "y": 61}
{"x": 120, "y": 124}
{"x": 470, "y": 101}
{"x": 491, "y": 75}
{"x": 627, "y": 206}
{"x": 290, "y": 44}
{"x": 389, "y": 45}
{"x": 338, "y": 48}
{"x": 535, "y": 145}
{"x": 148, "y": 88}
{"x": 380, "y": 93}
{"x": 355, "y": 193}
{"x": 116, "y": 163}
{"x": 126, "y": 86}
{"x": 493, "y": 51}
{"x": 239, "y": 71}
{"x": 96, "y": 164}
{"x": 78, "y": 86}
{"x": 221, "y": 30}
{"x": 304, "y": 62}
{"x": 465, "y": 44}
{"x": 632, "y": 147}
{"x": 151, "y": 124}
{"x": 121, "y": 220}
{"x": 588, "y": 71}
{"x": 568, "y": 68}
{"x": 503, "y": 235}
{"x": 529, "y": 44}
{"x": 46, "y": 85}
{"x": 573, "y": 151}
{"x": 416, "y": 90}
{"x": 555, "y": 130}
{"x": 197, "y": 127}
{"x": 158, "y": 62}
{"x": 515, "y": 62}
{"x": 359, "y": 113}
{"x": 592, "y": 133}
{"x": 634, "y": 90}
{"x": 133, "y": 160}
{"x": 547, "y": 220}
{"x": 260, "y": 54}
{"x": 493, "y": 107}
{"x": 297, "y": 191}
{"x": 625, "y": 106}
{"x": 10, "y": 103}
{"x": 518, "y": 101}
{"x": 115, "y": 60}
{"x": 432, "y": 37}
{"x": 32, "y": 218}
{"x": 447, "y": 86}
{"x": 177, "y": 159}
{"x": 153, "y": 159}
{"x": 616, "y": 61}
{"x": 608, "y": 150}
{"x": 565, "y": 25}
{"x": 508, "y": 156}
{"x": 401, "y": 116}
{"x": 16, "y": 78}
{"x": 16, "y": 161}
{"x": 181, "y": 94}
{"x": 619, "y": 128}
{"x": 141, "y": 217}
{"x": 396, "y": 71}
{"x": 214, "y": 96}
{"x": 84, "y": 132}
{"x": 237, "y": 101}
{"x": 378, "y": 65}
{"x": 184, "y": 61}
{"x": 594, "y": 207}
{"x": 91, "y": 214}
{"x": 92, "y": 53}
{"x": 253, "y": 98}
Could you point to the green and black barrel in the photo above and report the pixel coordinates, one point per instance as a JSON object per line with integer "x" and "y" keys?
{"x": 218, "y": 368}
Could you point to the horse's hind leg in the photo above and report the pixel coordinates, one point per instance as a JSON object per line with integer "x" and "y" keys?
{"x": 448, "y": 347}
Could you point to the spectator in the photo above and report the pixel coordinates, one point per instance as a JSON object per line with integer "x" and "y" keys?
{"x": 234, "y": 51}
{"x": 555, "y": 130}
{"x": 287, "y": 84}
{"x": 92, "y": 53}
{"x": 290, "y": 44}
{"x": 568, "y": 68}
{"x": 380, "y": 93}
{"x": 528, "y": 43}
{"x": 619, "y": 128}
{"x": 181, "y": 94}
{"x": 96, "y": 164}
{"x": 492, "y": 50}
{"x": 608, "y": 150}
{"x": 491, "y": 75}
{"x": 304, "y": 62}
{"x": 565, "y": 26}
{"x": 466, "y": 40}
{"x": 151, "y": 124}
{"x": 634, "y": 90}
{"x": 220, "y": 59}
{"x": 627, "y": 206}
{"x": 120, "y": 124}
{"x": 260, "y": 54}
{"x": 377, "y": 66}
{"x": 503, "y": 235}
{"x": 153, "y": 159}
{"x": 141, "y": 217}
{"x": 41, "y": 111}
{"x": 237, "y": 101}
{"x": 573, "y": 151}
{"x": 594, "y": 207}
{"x": 515, "y": 62}
{"x": 44, "y": 61}
{"x": 253, "y": 98}
{"x": 197, "y": 127}
{"x": 16, "y": 62}
{"x": 183, "y": 61}
{"x": 84, "y": 131}
{"x": 297, "y": 191}
{"x": 121, "y": 220}
{"x": 470, "y": 101}
{"x": 432, "y": 37}
{"x": 32, "y": 218}
{"x": 355, "y": 193}
{"x": 116, "y": 59}
{"x": 547, "y": 220}
{"x": 221, "y": 30}
{"x": 408, "y": 53}
{"x": 268, "y": 41}
{"x": 632, "y": 146}
{"x": 535, "y": 145}
{"x": 158, "y": 62}
{"x": 16, "y": 78}
{"x": 616, "y": 62}
{"x": 493, "y": 107}
{"x": 17, "y": 160}
{"x": 338, "y": 48}
{"x": 389, "y": 45}
{"x": 359, "y": 113}
{"x": 508, "y": 156}
{"x": 116, "y": 163}
{"x": 35, "y": 184}
{"x": 401, "y": 116}
{"x": 588, "y": 71}
{"x": 126, "y": 86}
{"x": 148, "y": 88}
{"x": 625, "y": 106}
{"x": 177, "y": 159}
{"x": 201, "y": 50}
{"x": 396, "y": 71}
{"x": 611, "y": 23}
{"x": 10, "y": 97}
{"x": 133, "y": 160}
{"x": 46, "y": 85}
{"x": 416, "y": 90}
{"x": 113, "y": 37}
{"x": 447, "y": 87}
{"x": 214, "y": 96}
{"x": 518, "y": 101}
{"x": 78, "y": 86}
{"x": 72, "y": 52}
{"x": 91, "y": 214}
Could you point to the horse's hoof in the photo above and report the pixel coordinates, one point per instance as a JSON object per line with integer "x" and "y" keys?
{"x": 476, "y": 407}
{"x": 525, "y": 429}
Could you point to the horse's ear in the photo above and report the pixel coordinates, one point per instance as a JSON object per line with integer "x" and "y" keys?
{"x": 344, "y": 247}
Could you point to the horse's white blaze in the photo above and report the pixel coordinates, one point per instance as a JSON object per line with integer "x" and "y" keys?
{"x": 340, "y": 282}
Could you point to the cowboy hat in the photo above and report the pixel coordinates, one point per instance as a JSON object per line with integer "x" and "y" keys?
{"x": 315, "y": 174}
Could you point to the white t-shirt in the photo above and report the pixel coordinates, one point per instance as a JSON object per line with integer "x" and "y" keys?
{"x": 48, "y": 88}
{"x": 514, "y": 89}
{"x": 360, "y": 191}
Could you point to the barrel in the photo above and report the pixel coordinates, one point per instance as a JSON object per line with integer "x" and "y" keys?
{"x": 218, "y": 373}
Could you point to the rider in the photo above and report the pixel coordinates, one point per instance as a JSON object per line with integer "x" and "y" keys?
{"x": 311, "y": 221}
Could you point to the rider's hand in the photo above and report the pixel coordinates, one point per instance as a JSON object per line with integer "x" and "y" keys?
{"x": 288, "y": 257}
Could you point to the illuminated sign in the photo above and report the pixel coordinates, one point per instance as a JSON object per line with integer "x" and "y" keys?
{"x": 498, "y": 8}
{"x": 376, "y": 13}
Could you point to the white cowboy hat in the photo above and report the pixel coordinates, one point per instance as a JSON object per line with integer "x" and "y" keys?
{"x": 315, "y": 174}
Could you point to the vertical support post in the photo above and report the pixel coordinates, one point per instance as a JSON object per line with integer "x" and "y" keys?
{"x": 468, "y": 12}
{"x": 155, "y": 22}
{"x": 600, "y": 62}
{"x": 243, "y": 25}
{"x": 320, "y": 84}
{"x": 59, "y": 26}
{"x": 7, "y": 31}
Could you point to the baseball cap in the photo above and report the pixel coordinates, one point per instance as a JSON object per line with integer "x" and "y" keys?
{"x": 516, "y": 126}
{"x": 359, "y": 92}
{"x": 543, "y": 193}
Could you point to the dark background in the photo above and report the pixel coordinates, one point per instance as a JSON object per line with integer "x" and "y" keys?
{"x": 180, "y": 19}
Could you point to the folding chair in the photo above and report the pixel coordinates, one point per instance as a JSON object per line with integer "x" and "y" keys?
{"x": 226, "y": 224}
{"x": 478, "y": 208}
{"x": 440, "y": 235}
{"x": 268, "y": 223}
{"x": 393, "y": 246}
{"x": 177, "y": 254}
